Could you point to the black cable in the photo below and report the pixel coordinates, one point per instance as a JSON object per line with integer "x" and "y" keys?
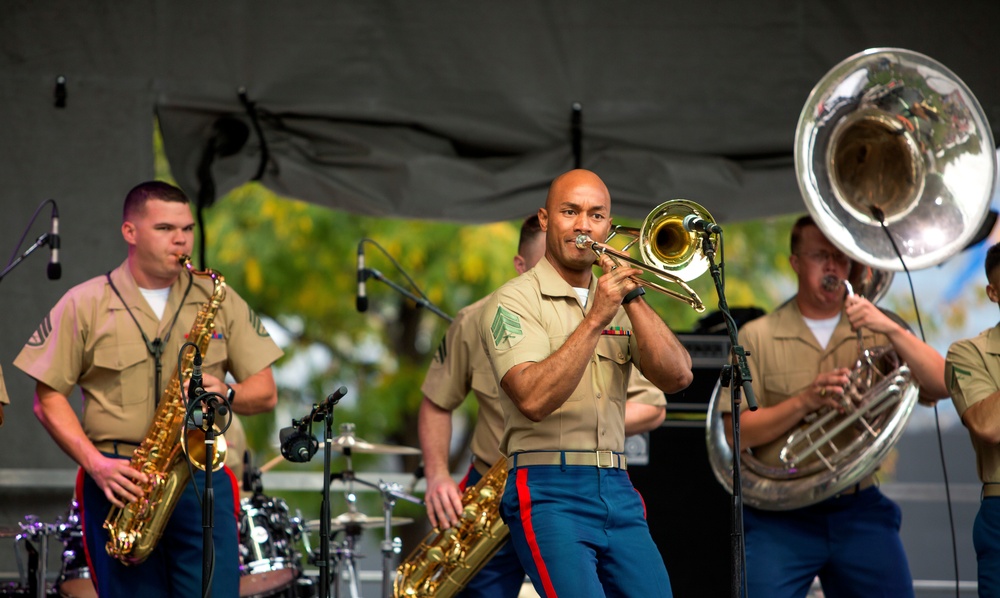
{"x": 24, "y": 234}
{"x": 397, "y": 266}
{"x": 877, "y": 213}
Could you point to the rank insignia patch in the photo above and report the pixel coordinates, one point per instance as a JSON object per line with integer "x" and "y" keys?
{"x": 41, "y": 334}
{"x": 506, "y": 328}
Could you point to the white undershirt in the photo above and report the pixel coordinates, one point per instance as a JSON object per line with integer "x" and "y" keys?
{"x": 157, "y": 299}
{"x": 583, "y": 294}
{"x": 822, "y": 329}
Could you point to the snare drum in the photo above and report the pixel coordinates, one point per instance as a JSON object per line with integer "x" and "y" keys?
{"x": 269, "y": 560}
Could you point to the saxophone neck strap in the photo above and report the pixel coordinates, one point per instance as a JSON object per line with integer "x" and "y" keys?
{"x": 157, "y": 345}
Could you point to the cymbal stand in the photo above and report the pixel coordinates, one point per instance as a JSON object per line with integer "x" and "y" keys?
{"x": 391, "y": 546}
{"x": 35, "y": 574}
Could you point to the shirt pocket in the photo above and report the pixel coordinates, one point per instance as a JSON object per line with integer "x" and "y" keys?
{"x": 778, "y": 387}
{"x": 127, "y": 374}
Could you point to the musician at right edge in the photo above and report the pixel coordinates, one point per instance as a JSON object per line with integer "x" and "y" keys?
{"x": 973, "y": 374}
{"x": 800, "y": 357}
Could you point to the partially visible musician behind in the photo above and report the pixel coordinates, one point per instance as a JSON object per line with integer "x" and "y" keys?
{"x": 973, "y": 375}
{"x": 102, "y": 336}
{"x": 461, "y": 365}
{"x": 799, "y": 358}
{"x": 562, "y": 343}
{"x": 4, "y": 400}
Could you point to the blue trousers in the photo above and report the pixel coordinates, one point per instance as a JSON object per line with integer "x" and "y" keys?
{"x": 986, "y": 539}
{"x": 851, "y": 542}
{"x": 503, "y": 575}
{"x": 581, "y": 532}
{"x": 174, "y": 569}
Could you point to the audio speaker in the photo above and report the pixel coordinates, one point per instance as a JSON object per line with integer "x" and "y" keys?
{"x": 687, "y": 510}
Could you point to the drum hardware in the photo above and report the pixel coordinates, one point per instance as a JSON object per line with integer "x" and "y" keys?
{"x": 352, "y": 523}
{"x": 73, "y": 580}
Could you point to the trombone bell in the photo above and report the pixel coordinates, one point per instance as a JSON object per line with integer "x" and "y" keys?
{"x": 669, "y": 251}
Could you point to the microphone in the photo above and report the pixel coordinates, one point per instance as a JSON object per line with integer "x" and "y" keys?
{"x": 196, "y": 383}
{"x": 336, "y": 395}
{"x": 297, "y": 445}
{"x": 54, "y": 270}
{"x": 694, "y": 223}
{"x": 362, "y": 301}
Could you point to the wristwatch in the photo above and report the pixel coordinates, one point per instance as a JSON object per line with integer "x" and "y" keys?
{"x": 638, "y": 292}
{"x": 230, "y": 394}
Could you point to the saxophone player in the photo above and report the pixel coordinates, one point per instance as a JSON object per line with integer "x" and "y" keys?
{"x": 117, "y": 337}
{"x": 461, "y": 366}
{"x": 800, "y": 356}
{"x": 562, "y": 343}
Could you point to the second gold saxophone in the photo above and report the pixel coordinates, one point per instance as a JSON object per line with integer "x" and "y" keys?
{"x": 135, "y": 529}
{"x": 447, "y": 559}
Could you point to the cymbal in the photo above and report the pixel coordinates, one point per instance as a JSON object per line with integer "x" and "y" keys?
{"x": 350, "y": 442}
{"x": 342, "y": 521}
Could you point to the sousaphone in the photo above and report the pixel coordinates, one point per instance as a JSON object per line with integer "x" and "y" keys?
{"x": 888, "y": 137}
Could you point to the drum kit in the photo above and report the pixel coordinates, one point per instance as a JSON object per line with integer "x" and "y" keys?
{"x": 274, "y": 543}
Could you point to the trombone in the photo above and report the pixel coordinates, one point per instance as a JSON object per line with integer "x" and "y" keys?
{"x": 669, "y": 250}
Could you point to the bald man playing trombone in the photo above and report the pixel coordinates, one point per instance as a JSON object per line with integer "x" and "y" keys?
{"x": 562, "y": 343}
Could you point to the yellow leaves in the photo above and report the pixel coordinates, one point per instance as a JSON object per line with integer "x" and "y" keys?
{"x": 252, "y": 274}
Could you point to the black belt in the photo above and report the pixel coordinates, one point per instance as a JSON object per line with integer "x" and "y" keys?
{"x": 122, "y": 448}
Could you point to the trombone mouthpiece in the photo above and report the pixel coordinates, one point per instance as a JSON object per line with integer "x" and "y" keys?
{"x": 582, "y": 241}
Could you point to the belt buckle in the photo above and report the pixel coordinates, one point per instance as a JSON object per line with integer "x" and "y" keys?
{"x": 601, "y": 463}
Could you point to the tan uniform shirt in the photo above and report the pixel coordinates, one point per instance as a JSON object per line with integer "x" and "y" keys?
{"x": 785, "y": 357}
{"x": 90, "y": 340}
{"x": 972, "y": 370}
{"x": 461, "y": 365}
{"x": 528, "y": 319}
{"x": 4, "y": 399}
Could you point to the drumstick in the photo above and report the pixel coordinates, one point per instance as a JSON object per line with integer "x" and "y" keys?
{"x": 271, "y": 463}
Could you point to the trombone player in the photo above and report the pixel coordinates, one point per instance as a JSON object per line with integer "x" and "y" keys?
{"x": 562, "y": 343}
{"x": 799, "y": 360}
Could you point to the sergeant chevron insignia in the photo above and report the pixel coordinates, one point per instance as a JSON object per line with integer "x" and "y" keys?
{"x": 506, "y": 328}
{"x": 41, "y": 333}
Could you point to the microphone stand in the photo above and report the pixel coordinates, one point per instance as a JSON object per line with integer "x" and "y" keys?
{"x": 739, "y": 376}
{"x": 210, "y": 402}
{"x": 326, "y": 412}
{"x": 420, "y": 301}
{"x": 41, "y": 241}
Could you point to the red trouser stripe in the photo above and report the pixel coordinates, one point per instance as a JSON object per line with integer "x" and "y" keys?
{"x": 524, "y": 500}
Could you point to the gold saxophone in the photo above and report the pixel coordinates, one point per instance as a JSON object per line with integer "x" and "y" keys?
{"x": 447, "y": 559}
{"x": 135, "y": 528}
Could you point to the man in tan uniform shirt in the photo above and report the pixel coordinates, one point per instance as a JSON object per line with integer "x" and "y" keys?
{"x": 4, "y": 400}
{"x": 563, "y": 344}
{"x": 104, "y": 336}
{"x": 799, "y": 360}
{"x": 973, "y": 374}
{"x": 461, "y": 365}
